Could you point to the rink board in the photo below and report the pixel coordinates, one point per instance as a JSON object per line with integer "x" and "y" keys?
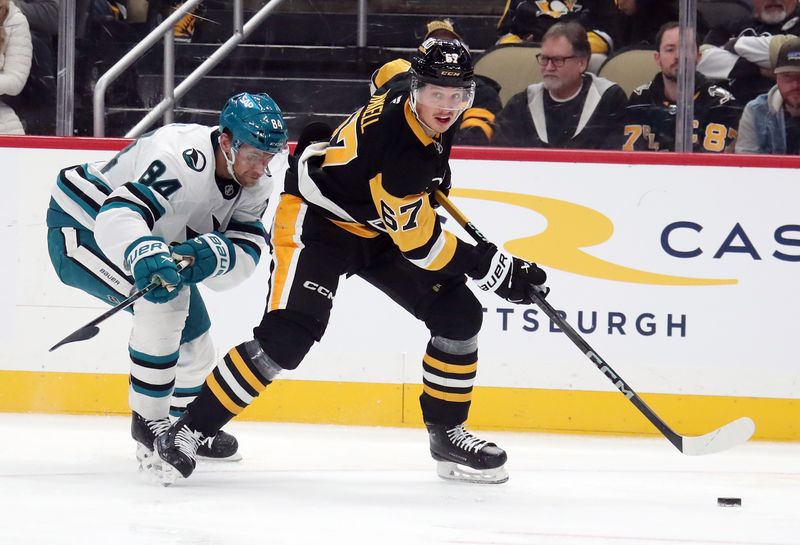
{"x": 679, "y": 270}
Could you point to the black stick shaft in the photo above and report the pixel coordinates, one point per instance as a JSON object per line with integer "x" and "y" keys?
{"x": 573, "y": 335}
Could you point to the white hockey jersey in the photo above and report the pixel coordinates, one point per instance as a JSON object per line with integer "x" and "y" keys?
{"x": 164, "y": 185}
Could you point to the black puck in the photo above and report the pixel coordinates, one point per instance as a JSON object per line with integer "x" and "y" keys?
{"x": 729, "y": 502}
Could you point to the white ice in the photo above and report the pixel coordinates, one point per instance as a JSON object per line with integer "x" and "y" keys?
{"x": 72, "y": 480}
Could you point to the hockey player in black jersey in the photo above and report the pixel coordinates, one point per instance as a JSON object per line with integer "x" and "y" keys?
{"x": 361, "y": 203}
{"x": 651, "y": 110}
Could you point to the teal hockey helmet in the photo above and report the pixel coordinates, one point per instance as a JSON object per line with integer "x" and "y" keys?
{"x": 255, "y": 120}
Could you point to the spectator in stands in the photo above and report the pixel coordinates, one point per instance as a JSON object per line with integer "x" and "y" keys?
{"x": 739, "y": 51}
{"x": 771, "y": 122}
{"x": 650, "y": 114}
{"x": 475, "y": 128}
{"x": 570, "y": 108}
{"x": 638, "y": 21}
{"x": 529, "y": 20}
{"x": 15, "y": 62}
{"x": 37, "y": 102}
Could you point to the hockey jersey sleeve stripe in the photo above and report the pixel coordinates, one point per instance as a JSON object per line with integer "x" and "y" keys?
{"x": 250, "y": 248}
{"x": 101, "y": 185}
{"x": 147, "y": 197}
{"x": 118, "y": 202}
{"x": 254, "y": 228}
{"x": 89, "y": 205}
{"x": 441, "y": 254}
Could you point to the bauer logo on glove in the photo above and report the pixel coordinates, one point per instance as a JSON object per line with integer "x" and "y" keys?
{"x": 208, "y": 255}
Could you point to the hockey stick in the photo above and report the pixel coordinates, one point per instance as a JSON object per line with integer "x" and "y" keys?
{"x": 723, "y": 438}
{"x": 90, "y": 330}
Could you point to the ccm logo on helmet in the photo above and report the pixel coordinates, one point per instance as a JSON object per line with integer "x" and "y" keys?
{"x": 322, "y": 290}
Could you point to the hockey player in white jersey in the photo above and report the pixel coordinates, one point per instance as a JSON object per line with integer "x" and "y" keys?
{"x": 187, "y": 193}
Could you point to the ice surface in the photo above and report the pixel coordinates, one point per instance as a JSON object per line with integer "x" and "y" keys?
{"x": 73, "y": 480}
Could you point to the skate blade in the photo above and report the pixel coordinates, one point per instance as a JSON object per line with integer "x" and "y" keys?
{"x": 454, "y": 472}
{"x": 145, "y": 458}
{"x": 235, "y": 457}
{"x": 161, "y": 472}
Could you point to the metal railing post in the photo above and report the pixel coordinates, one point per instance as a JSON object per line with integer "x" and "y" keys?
{"x": 129, "y": 58}
{"x": 204, "y": 68}
{"x": 65, "y": 71}
{"x": 169, "y": 76}
{"x": 362, "y": 23}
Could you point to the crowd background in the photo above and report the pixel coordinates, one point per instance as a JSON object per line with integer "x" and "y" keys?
{"x": 306, "y": 56}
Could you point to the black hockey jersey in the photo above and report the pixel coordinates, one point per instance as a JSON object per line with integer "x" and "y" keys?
{"x": 650, "y": 118}
{"x": 530, "y": 19}
{"x": 375, "y": 177}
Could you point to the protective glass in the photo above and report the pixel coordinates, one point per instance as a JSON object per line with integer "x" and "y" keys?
{"x": 444, "y": 98}
{"x": 250, "y": 157}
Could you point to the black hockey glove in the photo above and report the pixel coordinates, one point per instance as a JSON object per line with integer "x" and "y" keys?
{"x": 510, "y": 277}
{"x": 444, "y": 186}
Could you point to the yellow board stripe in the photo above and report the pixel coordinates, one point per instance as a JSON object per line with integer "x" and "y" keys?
{"x": 223, "y": 398}
{"x": 446, "y": 396}
{"x": 449, "y": 367}
{"x": 245, "y": 371}
{"x": 382, "y": 404}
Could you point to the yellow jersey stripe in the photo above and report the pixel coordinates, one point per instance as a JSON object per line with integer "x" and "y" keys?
{"x": 283, "y": 239}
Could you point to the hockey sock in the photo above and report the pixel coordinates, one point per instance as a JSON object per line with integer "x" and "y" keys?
{"x": 447, "y": 382}
{"x": 233, "y": 385}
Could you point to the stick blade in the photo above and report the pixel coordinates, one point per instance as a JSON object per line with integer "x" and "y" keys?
{"x": 82, "y": 334}
{"x": 728, "y": 436}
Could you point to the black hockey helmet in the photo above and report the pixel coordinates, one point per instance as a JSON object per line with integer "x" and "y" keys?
{"x": 442, "y": 62}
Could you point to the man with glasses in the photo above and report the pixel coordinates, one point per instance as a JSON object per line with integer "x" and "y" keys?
{"x": 570, "y": 108}
{"x": 361, "y": 203}
{"x": 652, "y": 108}
{"x": 188, "y": 194}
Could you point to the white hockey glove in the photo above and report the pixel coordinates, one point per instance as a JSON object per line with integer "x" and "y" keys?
{"x": 510, "y": 277}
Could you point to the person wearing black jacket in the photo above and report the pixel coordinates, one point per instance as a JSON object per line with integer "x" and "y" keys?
{"x": 739, "y": 51}
{"x": 652, "y": 108}
{"x": 570, "y": 108}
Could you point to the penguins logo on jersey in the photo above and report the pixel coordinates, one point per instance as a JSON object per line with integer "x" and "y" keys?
{"x": 195, "y": 159}
{"x": 557, "y": 8}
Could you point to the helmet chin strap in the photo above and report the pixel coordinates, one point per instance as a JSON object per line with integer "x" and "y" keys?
{"x": 229, "y": 161}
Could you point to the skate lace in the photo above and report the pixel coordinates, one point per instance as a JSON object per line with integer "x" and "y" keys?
{"x": 187, "y": 441}
{"x": 158, "y": 426}
{"x": 463, "y": 439}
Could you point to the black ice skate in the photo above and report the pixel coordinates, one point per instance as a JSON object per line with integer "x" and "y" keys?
{"x": 144, "y": 432}
{"x": 463, "y": 457}
{"x": 222, "y": 447}
{"x": 177, "y": 450}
